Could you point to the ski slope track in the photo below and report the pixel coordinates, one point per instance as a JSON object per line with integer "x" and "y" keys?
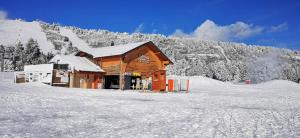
{"x": 13, "y": 31}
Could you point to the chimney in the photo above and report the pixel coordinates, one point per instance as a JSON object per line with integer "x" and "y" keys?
{"x": 112, "y": 43}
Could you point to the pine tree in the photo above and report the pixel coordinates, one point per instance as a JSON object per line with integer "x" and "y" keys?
{"x": 9, "y": 58}
{"x": 33, "y": 52}
{"x": 49, "y": 56}
{"x": 19, "y": 57}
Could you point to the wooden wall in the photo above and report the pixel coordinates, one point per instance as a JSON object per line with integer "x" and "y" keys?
{"x": 150, "y": 65}
{"x": 89, "y": 80}
{"x": 111, "y": 65}
{"x": 154, "y": 63}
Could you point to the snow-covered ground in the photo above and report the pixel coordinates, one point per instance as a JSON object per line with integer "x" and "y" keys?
{"x": 211, "y": 109}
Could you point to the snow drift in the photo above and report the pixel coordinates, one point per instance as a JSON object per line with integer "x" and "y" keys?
{"x": 32, "y": 110}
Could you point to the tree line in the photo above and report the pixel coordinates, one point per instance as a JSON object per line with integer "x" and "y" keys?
{"x": 13, "y": 58}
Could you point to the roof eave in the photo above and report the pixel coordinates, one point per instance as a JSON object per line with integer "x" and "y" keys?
{"x": 91, "y": 71}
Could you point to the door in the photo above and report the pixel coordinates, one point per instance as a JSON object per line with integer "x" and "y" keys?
{"x": 112, "y": 82}
{"x": 127, "y": 80}
{"x": 81, "y": 81}
{"x": 159, "y": 80}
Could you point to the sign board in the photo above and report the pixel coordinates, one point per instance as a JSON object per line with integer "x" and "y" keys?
{"x": 63, "y": 75}
{"x": 132, "y": 74}
{"x": 39, "y": 73}
{"x": 144, "y": 59}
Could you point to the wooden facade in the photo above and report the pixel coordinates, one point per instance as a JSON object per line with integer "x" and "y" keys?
{"x": 111, "y": 65}
{"x": 146, "y": 62}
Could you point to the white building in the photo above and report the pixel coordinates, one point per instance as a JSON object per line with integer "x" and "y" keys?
{"x": 39, "y": 73}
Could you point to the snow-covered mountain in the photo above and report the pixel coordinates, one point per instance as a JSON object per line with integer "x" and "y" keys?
{"x": 224, "y": 61}
{"x": 12, "y": 31}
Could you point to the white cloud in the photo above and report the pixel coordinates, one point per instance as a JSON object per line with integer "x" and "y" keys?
{"x": 208, "y": 30}
{"x": 3, "y": 15}
{"x": 278, "y": 28}
{"x": 139, "y": 29}
{"x": 180, "y": 33}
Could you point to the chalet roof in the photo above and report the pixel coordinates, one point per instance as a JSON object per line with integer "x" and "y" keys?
{"x": 114, "y": 50}
{"x": 38, "y": 67}
{"x": 120, "y": 50}
{"x": 76, "y": 63}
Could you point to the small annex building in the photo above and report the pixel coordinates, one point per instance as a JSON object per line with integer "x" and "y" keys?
{"x": 36, "y": 73}
{"x": 80, "y": 71}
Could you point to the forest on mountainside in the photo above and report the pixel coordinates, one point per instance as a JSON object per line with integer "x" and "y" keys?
{"x": 225, "y": 61}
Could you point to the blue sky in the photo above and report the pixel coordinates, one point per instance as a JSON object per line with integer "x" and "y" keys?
{"x": 269, "y": 22}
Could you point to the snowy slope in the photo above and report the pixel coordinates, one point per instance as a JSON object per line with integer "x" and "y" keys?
{"x": 12, "y": 31}
{"x": 77, "y": 42}
{"x": 200, "y": 82}
{"x": 36, "y": 110}
{"x": 279, "y": 84}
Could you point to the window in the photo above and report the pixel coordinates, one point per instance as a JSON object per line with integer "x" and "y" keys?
{"x": 61, "y": 66}
{"x": 155, "y": 77}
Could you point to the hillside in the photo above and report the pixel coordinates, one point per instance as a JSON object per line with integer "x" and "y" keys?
{"x": 225, "y": 61}
{"x": 12, "y": 31}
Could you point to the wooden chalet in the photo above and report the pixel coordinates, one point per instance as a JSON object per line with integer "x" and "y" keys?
{"x": 139, "y": 65}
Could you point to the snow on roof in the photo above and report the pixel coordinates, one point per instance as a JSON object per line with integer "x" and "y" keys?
{"x": 297, "y": 57}
{"x": 76, "y": 63}
{"x": 38, "y": 67}
{"x": 114, "y": 50}
{"x": 97, "y": 52}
